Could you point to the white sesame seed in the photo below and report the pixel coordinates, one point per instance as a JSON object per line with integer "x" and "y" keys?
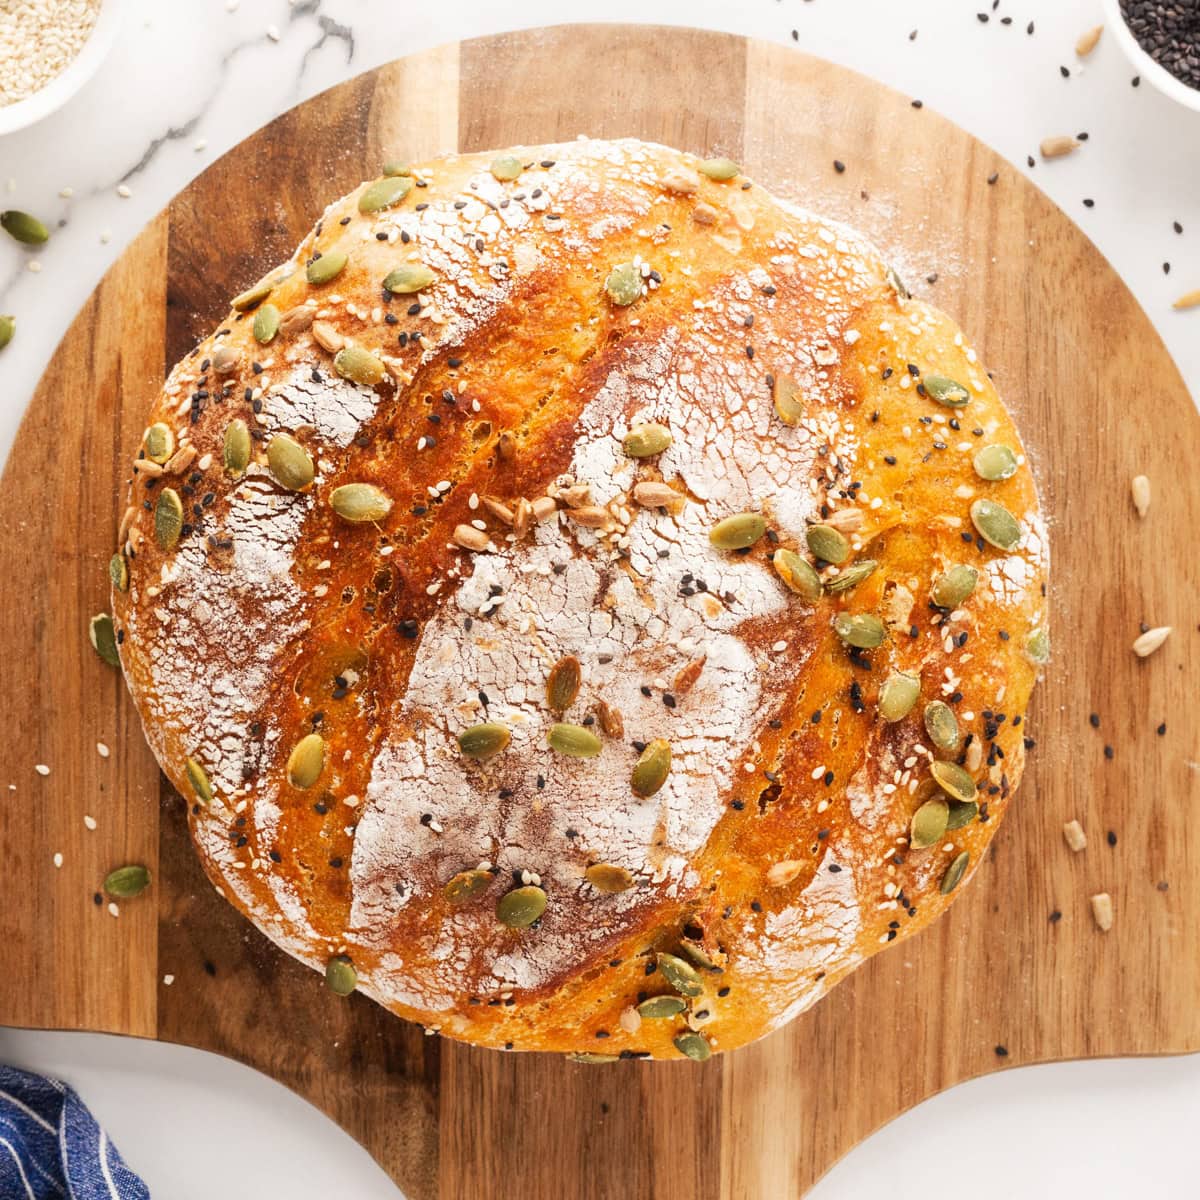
{"x": 273, "y": 32}
{"x": 113, "y": 910}
{"x": 66, "y": 193}
{"x": 58, "y": 860}
{"x": 42, "y": 769}
{"x": 105, "y": 236}
{"x": 168, "y": 980}
{"x": 35, "y": 266}
{"x": 200, "y": 144}
{"x": 102, "y": 750}
{"x": 90, "y": 822}
{"x": 124, "y": 191}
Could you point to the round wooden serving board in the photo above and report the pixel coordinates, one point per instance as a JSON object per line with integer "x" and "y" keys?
{"x": 1099, "y": 401}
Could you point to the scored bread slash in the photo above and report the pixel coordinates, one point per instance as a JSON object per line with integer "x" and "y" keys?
{"x": 1139, "y": 488}
{"x": 1150, "y": 641}
{"x": 1074, "y": 836}
{"x": 1188, "y": 300}
{"x": 1088, "y": 41}
{"x": 1057, "y": 147}
{"x": 1102, "y": 911}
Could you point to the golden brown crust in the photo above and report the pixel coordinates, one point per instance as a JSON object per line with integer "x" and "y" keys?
{"x": 524, "y": 529}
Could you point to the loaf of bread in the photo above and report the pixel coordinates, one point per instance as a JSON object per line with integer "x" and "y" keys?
{"x": 586, "y": 604}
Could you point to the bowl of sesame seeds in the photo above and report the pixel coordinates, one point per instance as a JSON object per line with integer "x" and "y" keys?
{"x": 1161, "y": 38}
{"x": 48, "y": 50}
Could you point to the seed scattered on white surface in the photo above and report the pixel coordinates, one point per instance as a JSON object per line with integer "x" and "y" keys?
{"x": 1139, "y": 487}
{"x": 1057, "y": 147}
{"x": 42, "y": 769}
{"x": 105, "y": 236}
{"x": 200, "y": 144}
{"x": 1087, "y": 41}
{"x": 1150, "y": 641}
{"x": 90, "y": 822}
{"x": 124, "y": 191}
{"x": 232, "y": 5}
{"x": 1102, "y": 910}
{"x": 58, "y": 860}
{"x": 66, "y": 193}
{"x": 273, "y": 32}
{"x": 35, "y": 266}
{"x": 1074, "y": 836}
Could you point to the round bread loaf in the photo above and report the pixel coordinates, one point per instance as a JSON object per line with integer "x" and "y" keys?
{"x": 586, "y": 603}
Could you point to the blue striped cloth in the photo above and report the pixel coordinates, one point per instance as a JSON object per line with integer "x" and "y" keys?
{"x": 51, "y": 1146}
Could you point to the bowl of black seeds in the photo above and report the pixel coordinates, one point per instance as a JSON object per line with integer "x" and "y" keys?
{"x": 1161, "y": 38}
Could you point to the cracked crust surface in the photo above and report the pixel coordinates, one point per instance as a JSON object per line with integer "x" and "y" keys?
{"x": 777, "y": 853}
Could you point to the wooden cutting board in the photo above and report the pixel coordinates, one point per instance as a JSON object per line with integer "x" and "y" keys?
{"x": 1017, "y": 964}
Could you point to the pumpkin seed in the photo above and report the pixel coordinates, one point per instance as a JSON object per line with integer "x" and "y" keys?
{"x": 719, "y": 169}
{"x": 644, "y": 440}
{"x": 661, "y": 1008}
{"x": 408, "y": 279}
{"x": 26, "y": 228}
{"x": 485, "y": 741}
{"x": 953, "y": 780}
{"x": 961, "y": 813}
{"x": 574, "y": 741}
{"x": 995, "y": 462}
{"x": 466, "y": 885}
{"x": 358, "y": 502}
{"x": 789, "y": 402}
{"x": 384, "y": 193}
{"x": 827, "y": 543}
{"x": 237, "y": 446}
{"x": 159, "y": 443}
{"x": 126, "y": 882}
{"x": 506, "y": 167}
{"x": 396, "y": 168}
{"x": 852, "y": 576}
{"x": 798, "y": 574}
{"x": 864, "y": 631}
{"x": 306, "y": 761}
{"x": 898, "y": 694}
{"x": 359, "y": 366}
{"x": 898, "y": 285}
{"x": 1037, "y": 647}
{"x": 996, "y": 524}
{"x": 652, "y": 768}
{"x": 624, "y": 284}
{"x": 198, "y": 778}
{"x": 329, "y": 266}
{"x": 946, "y": 391}
{"x": 694, "y": 1045}
{"x": 340, "y": 976}
{"x": 168, "y": 518}
{"x": 952, "y": 588}
{"x": 682, "y": 976}
{"x": 104, "y": 638}
{"x": 562, "y": 685}
{"x": 118, "y": 572}
{"x": 522, "y": 906}
{"x": 954, "y": 873}
{"x": 587, "y": 1056}
{"x": 942, "y": 725}
{"x": 266, "y": 323}
{"x": 289, "y": 463}
{"x": 8, "y": 326}
{"x": 610, "y": 880}
{"x": 737, "y": 532}
{"x": 928, "y": 824}
{"x": 698, "y": 955}
{"x": 611, "y": 721}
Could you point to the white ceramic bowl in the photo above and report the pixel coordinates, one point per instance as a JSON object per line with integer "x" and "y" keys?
{"x": 1144, "y": 65}
{"x": 78, "y": 71}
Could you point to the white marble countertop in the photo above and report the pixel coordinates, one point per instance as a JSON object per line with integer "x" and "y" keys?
{"x": 189, "y": 79}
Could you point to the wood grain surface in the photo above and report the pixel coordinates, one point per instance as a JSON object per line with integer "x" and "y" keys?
{"x": 1099, "y": 401}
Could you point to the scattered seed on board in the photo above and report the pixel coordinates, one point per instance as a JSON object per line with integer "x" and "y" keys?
{"x": 1151, "y": 640}
{"x": 127, "y": 882}
{"x": 104, "y": 638}
{"x": 521, "y": 907}
{"x": 340, "y": 976}
{"x": 485, "y": 741}
{"x": 652, "y": 768}
{"x": 1074, "y": 836}
{"x": 1139, "y": 488}
{"x": 1102, "y": 911}
{"x": 306, "y": 761}
{"x": 1058, "y": 147}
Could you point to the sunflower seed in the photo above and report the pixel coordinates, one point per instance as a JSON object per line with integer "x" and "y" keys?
{"x": 705, "y": 214}
{"x": 168, "y": 518}
{"x": 1140, "y": 489}
{"x": 898, "y": 694}
{"x": 798, "y": 574}
{"x": 574, "y": 741}
{"x": 961, "y": 813}
{"x": 954, "y": 873}
{"x": 296, "y": 320}
{"x": 864, "y": 631}
{"x": 694, "y": 1045}
{"x": 8, "y": 326}
{"x": 506, "y": 167}
{"x": 1150, "y": 641}
{"x": 497, "y": 509}
{"x": 719, "y": 169}
{"x": 522, "y": 906}
{"x": 624, "y": 285}
{"x": 466, "y": 885}
{"x": 644, "y": 440}
{"x": 327, "y": 337}
{"x": 611, "y": 721}
{"x": 928, "y": 824}
{"x": 359, "y": 366}
{"x": 995, "y": 462}
{"x": 226, "y": 360}
{"x": 606, "y": 878}
{"x": 656, "y": 495}
{"x": 1087, "y": 41}
{"x": 952, "y": 588}
{"x": 289, "y": 463}
{"x": 118, "y": 572}
{"x": 1102, "y": 911}
{"x": 384, "y": 193}
{"x": 591, "y": 516}
{"x": 329, "y": 266}
{"x": 789, "y": 401}
{"x": 358, "y": 502}
{"x": 199, "y": 780}
{"x": 266, "y": 324}
{"x": 780, "y": 874}
{"x": 681, "y": 181}
{"x": 996, "y": 524}
{"x": 485, "y": 741}
{"x": 542, "y": 507}
{"x": 682, "y": 976}
{"x": 306, "y": 761}
{"x": 104, "y": 638}
{"x": 24, "y": 228}
{"x": 652, "y": 768}
{"x": 1188, "y": 300}
{"x": 1037, "y": 647}
{"x": 941, "y": 725}
{"x": 945, "y": 391}
{"x": 159, "y": 443}
{"x": 470, "y": 538}
{"x": 562, "y": 685}
{"x": 953, "y": 780}
{"x": 852, "y": 576}
{"x": 340, "y": 976}
{"x": 845, "y": 520}
{"x": 661, "y": 1008}
{"x": 1057, "y": 147}
{"x": 737, "y": 532}
{"x": 1074, "y": 836}
{"x": 236, "y": 452}
{"x": 408, "y": 279}
{"x": 126, "y": 882}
